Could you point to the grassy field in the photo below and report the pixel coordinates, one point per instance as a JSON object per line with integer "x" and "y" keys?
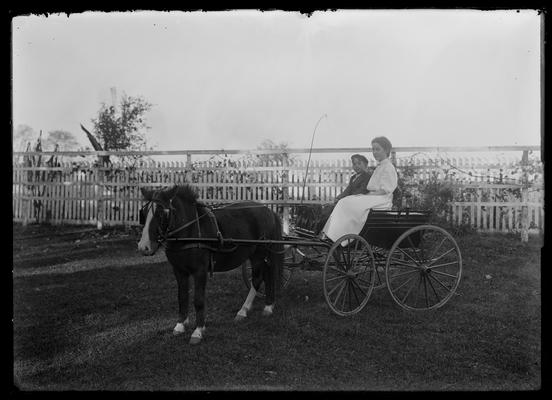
{"x": 89, "y": 313}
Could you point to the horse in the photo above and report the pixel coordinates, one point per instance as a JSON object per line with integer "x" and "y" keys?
{"x": 176, "y": 213}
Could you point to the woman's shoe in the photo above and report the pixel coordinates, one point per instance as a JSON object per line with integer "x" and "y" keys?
{"x": 322, "y": 237}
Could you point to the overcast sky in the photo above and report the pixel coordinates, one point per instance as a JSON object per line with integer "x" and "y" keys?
{"x": 232, "y": 79}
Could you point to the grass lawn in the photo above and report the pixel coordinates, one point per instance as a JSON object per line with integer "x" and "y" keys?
{"x": 89, "y": 313}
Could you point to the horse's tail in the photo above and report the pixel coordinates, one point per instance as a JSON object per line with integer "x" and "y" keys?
{"x": 277, "y": 254}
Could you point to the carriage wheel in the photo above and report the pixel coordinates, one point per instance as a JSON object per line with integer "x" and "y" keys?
{"x": 423, "y": 268}
{"x": 291, "y": 258}
{"x": 349, "y": 275}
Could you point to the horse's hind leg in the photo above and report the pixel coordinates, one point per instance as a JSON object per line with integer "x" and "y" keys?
{"x": 256, "y": 280}
{"x": 182, "y": 279}
{"x": 200, "y": 281}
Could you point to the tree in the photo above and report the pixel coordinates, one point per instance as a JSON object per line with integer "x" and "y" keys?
{"x": 268, "y": 144}
{"x": 65, "y": 141}
{"x": 123, "y": 129}
{"x": 23, "y": 135}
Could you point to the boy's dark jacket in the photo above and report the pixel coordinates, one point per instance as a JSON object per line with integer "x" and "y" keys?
{"x": 357, "y": 185}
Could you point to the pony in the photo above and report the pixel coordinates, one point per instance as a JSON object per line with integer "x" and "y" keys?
{"x": 194, "y": 238}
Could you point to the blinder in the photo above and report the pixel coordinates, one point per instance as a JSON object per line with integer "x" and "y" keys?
{"x": 164, "y": 217}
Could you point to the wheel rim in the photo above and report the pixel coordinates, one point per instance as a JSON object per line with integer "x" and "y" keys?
{"x": 423, "y": 269}
{"x": 348, "y": 275}
{"x": 290, "y": 259}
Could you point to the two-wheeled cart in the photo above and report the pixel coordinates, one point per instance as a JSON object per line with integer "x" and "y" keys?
{"x": 419, "y": 263}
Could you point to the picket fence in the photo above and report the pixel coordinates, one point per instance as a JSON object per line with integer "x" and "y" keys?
{"x": 87, "y": 193}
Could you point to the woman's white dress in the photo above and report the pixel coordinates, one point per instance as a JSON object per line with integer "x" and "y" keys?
{"x": 351, "y": 212}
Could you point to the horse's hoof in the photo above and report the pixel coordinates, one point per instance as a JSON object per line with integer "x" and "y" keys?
{"x": 239, "y": 318}
{"x": 195, "y": 340}
{"x": 180, "y": 328}
{"x": 197, "y": 335}
{"x": 267, "y": 311}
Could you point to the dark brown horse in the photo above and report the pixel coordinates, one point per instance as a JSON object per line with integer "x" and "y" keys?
{"x": 176, "y": 213}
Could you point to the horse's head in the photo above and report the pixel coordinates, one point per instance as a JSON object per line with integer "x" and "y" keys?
{"x": 155, "y": 216}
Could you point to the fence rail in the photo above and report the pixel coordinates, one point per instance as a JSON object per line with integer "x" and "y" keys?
{"x": 84, "y": 192}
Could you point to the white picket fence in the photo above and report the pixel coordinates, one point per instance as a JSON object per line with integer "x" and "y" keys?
{"x": 85, "y": 193}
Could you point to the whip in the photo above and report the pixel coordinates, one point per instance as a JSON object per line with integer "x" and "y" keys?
{"x": 308, "y": 161}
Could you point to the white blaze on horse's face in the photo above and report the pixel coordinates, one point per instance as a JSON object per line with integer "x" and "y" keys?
{"x": 147, "y": 246}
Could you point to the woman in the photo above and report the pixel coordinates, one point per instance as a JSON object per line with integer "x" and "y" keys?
{"x": 357, "y": 185}
{"x": 351, "y": 212}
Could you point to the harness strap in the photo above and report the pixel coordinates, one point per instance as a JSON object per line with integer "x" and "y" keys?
{"x": 185, "y": 225}
{"x": 215, "y": 222}
{"x": 206, "y": 246}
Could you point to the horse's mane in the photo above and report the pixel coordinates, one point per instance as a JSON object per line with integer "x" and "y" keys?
{"x": 186, "y": 193}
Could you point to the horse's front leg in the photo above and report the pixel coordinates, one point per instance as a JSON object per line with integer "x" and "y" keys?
{"x": 270, "y": 288}
{"x": 200, "y": 281}
{"x": 183, "y": 281}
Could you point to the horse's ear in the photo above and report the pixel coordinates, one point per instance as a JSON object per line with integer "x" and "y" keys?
{"x": 147, "y": 193}
{"x": 172, "y": 192}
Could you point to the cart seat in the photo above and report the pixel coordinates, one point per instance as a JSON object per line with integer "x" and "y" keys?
{"x": 383, "y": 227}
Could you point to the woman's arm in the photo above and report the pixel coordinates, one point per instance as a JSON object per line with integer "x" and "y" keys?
{"x": 384, "y": 180}
{"x": 377, "y": 192}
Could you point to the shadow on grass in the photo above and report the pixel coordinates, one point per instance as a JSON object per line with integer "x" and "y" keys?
{"x": 111, "y": 329}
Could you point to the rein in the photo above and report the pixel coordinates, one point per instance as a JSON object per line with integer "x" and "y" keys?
{"x": 196, "y": 220}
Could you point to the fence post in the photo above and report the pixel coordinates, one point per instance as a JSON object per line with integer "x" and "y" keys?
{"x": 524, "y": 198}
{"x": 26, "y": 204}
{"x": 99, "y": 195}
{"x": 188, "y": 168}
{"x": 285, "y": 189}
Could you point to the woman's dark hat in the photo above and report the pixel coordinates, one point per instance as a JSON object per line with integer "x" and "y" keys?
{"x": 360, "y": 157}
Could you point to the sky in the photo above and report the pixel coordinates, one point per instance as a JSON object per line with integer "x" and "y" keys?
{"x": 229, "y": 80}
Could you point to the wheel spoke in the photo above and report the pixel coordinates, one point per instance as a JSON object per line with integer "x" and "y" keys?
{"x": 418, "y": 290}
{"x": 443, "y": 265}
{"x": 438, "y": 247}
{"x": 434, "y": 291}
{"x": 403, "y": 263}
{"x": 408, "y": 255}
{"x": 425, "y": 291}
{"x": 364, "y": 281}
{"x": 404, "y": 283}
{"x": 334, "y": 278}
{"x": 337, "y": 270}
{"x": 402, "y": 274}
{"x": 409, "y": 290}
{"x": 349, "y": 295}
{"x": 341, "y": 284}
{"x": 340, "y": 259}
{"x": 413, "y": 247}
{"x": 355, "y": 293}
{"x": 344, "y": 296}
{"x": 441, "y": 256}
{"x": 348, "y": 258}
{"x": 444, "y": 274}
{"x": 441, "y": 283}
{"x": 359, "y": 287}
